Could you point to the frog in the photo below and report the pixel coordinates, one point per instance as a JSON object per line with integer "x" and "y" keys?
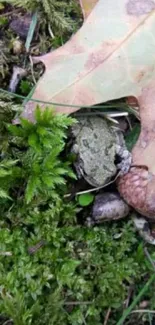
{"x": 96, "y": 145}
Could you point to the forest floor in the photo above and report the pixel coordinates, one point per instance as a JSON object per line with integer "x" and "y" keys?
{"x": 54, "y": 269}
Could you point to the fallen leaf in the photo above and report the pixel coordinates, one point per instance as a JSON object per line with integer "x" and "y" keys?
{"x": 87, "y": 6}
{"x": 111, "y": 56}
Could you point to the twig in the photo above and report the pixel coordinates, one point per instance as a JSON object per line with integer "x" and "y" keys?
{"x": 9, "y": 13}
{"x": 96, "y": 188}
{"x": 76, "y": 303}
{"x": 35, "y": 248}
{"x": 107, "y": 316}
{"x": 8, "y": 321}
{"x": 110, "y": 113}
{"x": 129, "y": 122}
{"x": 143, "y": 311}
{"x": 32, "y": 71}
{"x": 50, "y": 31}
{"x": 18, "y": 74}
{"x": 130, "y": 291}
{"x": 109, "y": 118}
{"x": 135, "y": 112}
{"x": 5, "y": 253}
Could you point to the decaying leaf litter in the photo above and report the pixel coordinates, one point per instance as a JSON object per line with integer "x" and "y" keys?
{"x": 70, "y": 52}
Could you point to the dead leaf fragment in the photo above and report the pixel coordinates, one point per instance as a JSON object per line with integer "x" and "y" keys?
{"x": 87, "y": 6}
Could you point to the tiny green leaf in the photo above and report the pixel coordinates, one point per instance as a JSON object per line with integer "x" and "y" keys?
{"x": 25, "y": 87}
{"x": 33, "y": 140}
{"x": 4, "y": 195}
{"x": 85, "y": 199}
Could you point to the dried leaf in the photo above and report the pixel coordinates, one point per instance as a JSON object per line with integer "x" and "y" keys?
{"x": 87, "y": 6}
{"x": 110, "y": 57}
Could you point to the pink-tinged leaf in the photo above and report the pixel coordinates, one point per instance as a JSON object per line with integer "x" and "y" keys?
{"x": 87, "y": 6}
{"x": 138, "y": 186}
{"x": 111, "y": 56}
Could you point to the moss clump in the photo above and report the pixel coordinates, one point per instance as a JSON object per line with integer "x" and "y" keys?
{"x": 52, "y": 269}
{"x": 59, "y": 14}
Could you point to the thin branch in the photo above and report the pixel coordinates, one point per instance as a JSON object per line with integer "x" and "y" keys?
{"x": 32, "y": 71}
{"x": 96, "y": 188}
{"x": 76, "y": 303}
{"x": 6, "y": 254}
{"x": 143, "y": 311}
{"x": 130, "y": 291}
{"x": 107, "y": 316}
{"x": 50, "y": 31}
{"x": 129, "y": 122}
{"x": 8, "y": 321}
{"x": 9, "y": 13}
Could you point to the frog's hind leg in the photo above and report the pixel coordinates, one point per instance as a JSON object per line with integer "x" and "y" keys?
{"x": 143, "y": 227}
{"x": 124, "y": 155}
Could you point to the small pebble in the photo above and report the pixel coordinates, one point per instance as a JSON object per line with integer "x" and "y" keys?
{"x": 109, "y": 206}
{"x": 17, "y": 47}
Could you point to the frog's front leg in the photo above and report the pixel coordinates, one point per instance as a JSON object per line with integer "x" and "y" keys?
{"x": 123, "y": 154}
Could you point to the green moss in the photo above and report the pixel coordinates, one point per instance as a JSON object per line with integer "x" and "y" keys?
{"x": 53, "y": 270}
{"x": 59, "y": 14}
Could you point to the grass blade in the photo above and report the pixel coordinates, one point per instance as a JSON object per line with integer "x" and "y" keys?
{"x": 136, "y": 300}
{"x": 31, "y": 31}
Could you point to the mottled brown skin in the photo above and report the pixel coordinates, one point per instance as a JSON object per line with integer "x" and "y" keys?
{"x": 138, "y": 186}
